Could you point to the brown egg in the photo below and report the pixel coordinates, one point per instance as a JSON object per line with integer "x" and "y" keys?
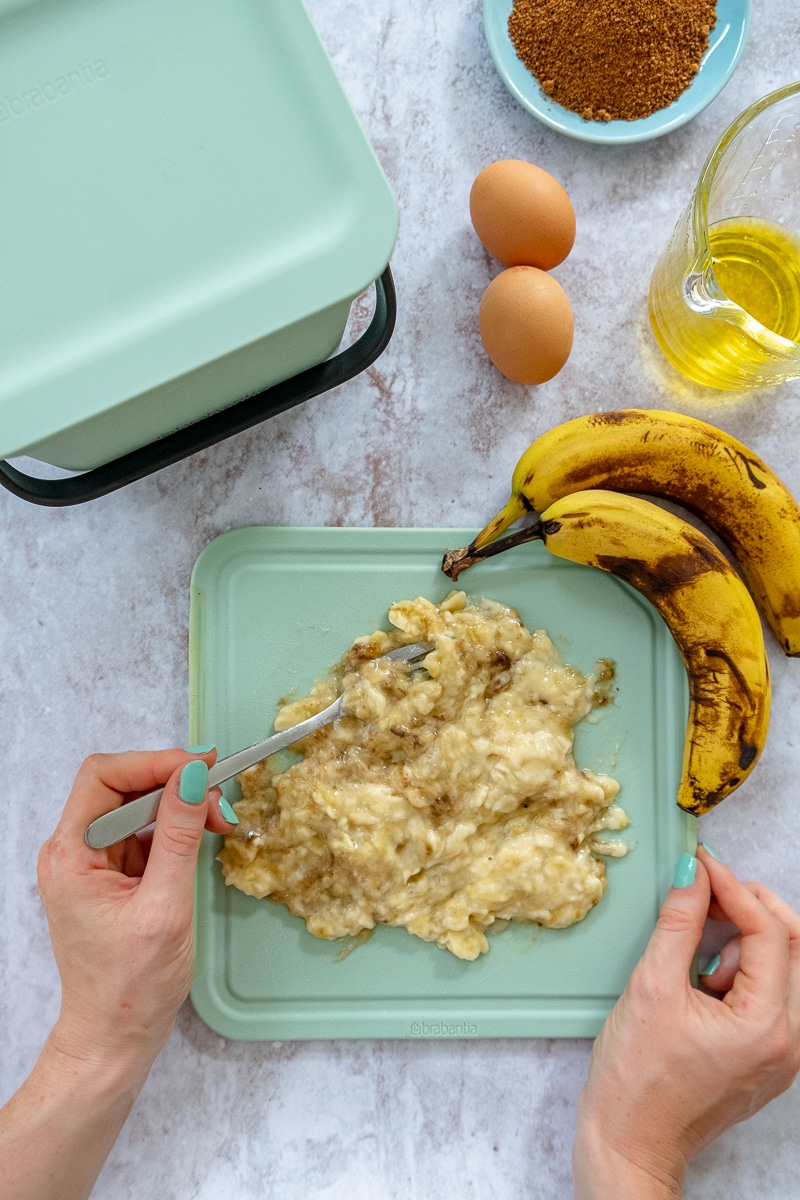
{"x": 526, "y": 324}
{"x": 522, "y": 214}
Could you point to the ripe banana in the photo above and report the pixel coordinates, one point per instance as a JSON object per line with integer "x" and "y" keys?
{"x": 710, "y": 613}
{"x": 683, "y": 459}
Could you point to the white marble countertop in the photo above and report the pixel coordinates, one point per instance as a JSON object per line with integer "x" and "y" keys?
{"x": 94, "y": 608}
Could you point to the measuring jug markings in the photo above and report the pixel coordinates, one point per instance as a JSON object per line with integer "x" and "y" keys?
{"x": 782, "y": 152}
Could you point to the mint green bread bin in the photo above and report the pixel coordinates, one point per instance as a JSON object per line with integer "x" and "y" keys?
{"x": 189, "y": 207}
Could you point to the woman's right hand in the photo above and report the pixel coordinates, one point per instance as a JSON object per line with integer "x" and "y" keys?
{"x": 674, "y": 1067}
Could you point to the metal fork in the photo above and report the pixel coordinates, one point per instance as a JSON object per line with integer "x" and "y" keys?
{"x": 120, "y": 823}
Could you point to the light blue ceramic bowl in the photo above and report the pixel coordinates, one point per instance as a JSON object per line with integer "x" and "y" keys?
{"x": 724, "y": 50}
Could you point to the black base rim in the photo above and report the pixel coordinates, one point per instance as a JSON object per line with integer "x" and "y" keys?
{"x": 99, "y": 481}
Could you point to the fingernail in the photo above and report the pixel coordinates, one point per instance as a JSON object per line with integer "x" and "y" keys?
{"x": 685, "y": 871}
{"x": 198, "y": 749}
{"x": 227, "y": 812}
{"x": 710, "y": 850}
{"x": 711, "y": 966}
{"x": 193, "y": 782}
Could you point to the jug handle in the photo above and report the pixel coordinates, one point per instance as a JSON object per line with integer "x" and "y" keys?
{"x": 90, "y": 485}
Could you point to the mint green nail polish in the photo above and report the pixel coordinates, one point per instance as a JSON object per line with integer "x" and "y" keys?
{"x": 710, "y": 850}
{"x": 227, "y": 812}
{"x": 193, "y": 783}
{"x": 711, "y": 966}
{"x": 198, "y": 749}
{"x": 685, "y": 871}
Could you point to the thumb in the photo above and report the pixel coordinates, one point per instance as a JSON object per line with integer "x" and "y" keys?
{"x": 178, "y": 832}
{"x": 677, "y": 934}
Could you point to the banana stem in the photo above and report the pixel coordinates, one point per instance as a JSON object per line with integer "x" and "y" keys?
{"x": 456, "y": 561}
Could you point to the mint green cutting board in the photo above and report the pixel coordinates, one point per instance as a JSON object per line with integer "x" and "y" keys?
{"x": 271, "y": 610}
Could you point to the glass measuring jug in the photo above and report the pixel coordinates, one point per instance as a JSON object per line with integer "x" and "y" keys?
{"x": 724, "y": 299}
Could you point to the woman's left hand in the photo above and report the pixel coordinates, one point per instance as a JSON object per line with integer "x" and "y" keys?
{"x": 121, "y": 925}
{"x": 121, "y": 919}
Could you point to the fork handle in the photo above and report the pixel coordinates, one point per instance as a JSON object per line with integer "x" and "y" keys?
{"x": 120, "y": 823}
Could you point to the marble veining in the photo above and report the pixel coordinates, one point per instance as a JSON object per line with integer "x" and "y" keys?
{"x": 93, "y": 628}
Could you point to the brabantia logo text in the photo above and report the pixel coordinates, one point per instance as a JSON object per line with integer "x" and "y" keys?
{"x": 443, "y": 1029}
{"x": 45, "y": 91}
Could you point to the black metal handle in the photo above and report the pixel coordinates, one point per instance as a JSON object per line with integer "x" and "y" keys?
{"x": 99, "y": 481}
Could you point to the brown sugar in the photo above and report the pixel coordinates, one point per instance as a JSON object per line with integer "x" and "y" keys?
{"x": 614, "y": 60}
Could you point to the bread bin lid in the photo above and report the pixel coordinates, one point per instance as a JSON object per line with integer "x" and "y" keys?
{"x": 179, "y": 180}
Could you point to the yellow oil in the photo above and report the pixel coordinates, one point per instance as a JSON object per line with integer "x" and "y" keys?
{"x": 757, "y": 266}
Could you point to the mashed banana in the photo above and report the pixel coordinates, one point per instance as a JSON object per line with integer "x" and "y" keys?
{"x": 442, "y": 802}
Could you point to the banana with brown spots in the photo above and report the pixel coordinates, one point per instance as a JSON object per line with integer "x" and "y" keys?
{"x": 683, "y": 459}
{"x": 709, "y": 611}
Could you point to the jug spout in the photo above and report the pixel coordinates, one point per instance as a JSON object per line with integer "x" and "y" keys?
{"x": 724, "y": 297}
{"x": 697, "y": 296}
